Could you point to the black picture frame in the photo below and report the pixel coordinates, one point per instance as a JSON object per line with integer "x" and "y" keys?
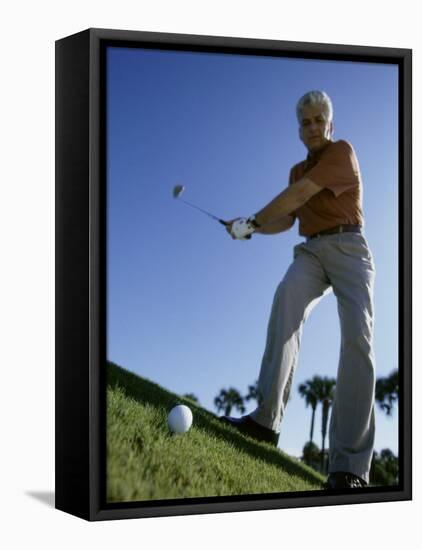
{"x": 80, "y": 272}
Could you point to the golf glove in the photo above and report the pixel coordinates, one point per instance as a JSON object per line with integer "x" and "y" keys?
{"x": 242, "y": 229}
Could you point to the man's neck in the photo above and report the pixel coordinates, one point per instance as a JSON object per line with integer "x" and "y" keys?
{"x": 317, "y": 152}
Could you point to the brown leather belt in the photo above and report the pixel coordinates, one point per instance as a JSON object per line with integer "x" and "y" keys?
{"x": 338, "y": 229}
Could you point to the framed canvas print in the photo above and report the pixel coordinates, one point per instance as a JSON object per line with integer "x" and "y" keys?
{"x": 233, "y": 274}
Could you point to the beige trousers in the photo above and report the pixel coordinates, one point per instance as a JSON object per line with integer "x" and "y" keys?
{"x": 343, "y": 263}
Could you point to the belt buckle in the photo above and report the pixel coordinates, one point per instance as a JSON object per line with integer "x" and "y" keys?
{"x": 340, "y": 229}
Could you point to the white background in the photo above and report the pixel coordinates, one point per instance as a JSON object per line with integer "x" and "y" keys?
{"x": 29, "y": 30}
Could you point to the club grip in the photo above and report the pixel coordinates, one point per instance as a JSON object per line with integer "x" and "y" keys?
{"x": 226, "y": 224}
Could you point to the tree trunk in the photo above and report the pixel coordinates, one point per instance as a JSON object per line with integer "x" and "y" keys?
{"x": 325, "y": 409}
{"x": 312, "y": 424}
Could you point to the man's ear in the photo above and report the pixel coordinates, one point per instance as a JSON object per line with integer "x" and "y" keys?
{"x": 331, "y": 129}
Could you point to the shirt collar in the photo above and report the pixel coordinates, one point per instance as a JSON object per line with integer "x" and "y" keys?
{"x": 313, "y": 158}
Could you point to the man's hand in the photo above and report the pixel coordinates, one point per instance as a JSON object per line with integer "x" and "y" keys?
{"x": 240, "y": 228}
{"x": 229, "y": 224}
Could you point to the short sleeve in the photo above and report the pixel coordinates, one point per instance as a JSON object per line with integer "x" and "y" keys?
{"x": 337, "y": 169}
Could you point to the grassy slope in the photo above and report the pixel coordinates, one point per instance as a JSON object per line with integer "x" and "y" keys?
{"x": 145, "y": 461}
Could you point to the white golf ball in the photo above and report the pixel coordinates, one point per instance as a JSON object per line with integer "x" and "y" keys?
{"x": 180, "y": 419}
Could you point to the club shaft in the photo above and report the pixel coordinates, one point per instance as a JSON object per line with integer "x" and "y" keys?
{"x": 204, "y": 211}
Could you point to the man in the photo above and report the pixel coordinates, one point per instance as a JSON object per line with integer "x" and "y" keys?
{"x": 325, "y": 194}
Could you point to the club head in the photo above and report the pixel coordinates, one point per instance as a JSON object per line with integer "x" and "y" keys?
{"x": 177, "y": 191}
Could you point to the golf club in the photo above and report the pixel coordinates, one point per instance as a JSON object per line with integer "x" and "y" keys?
{"x": 179, "y": 189}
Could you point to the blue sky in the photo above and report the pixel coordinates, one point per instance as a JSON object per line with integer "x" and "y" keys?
{"x": 187, "y": 306}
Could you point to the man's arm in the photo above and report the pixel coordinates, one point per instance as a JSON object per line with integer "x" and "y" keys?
{"x": 295, "y": 196}
{"x": 278, "y": 226}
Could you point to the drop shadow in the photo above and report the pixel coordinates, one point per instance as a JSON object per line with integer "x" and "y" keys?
{"x": 45, "y": 497}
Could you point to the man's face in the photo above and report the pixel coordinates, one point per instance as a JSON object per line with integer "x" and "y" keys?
{"x": 315, "y": 131}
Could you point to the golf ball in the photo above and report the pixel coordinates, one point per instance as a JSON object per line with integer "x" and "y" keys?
{"x": 180, "y": 419}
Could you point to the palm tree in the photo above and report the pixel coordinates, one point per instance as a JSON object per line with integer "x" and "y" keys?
{"x": 227, "y": 399}
{"x": 325, "y": 396}
{"x": 387, "y": 392}
{"x": 253, "y": 393}
{"x": 384, "y": 468}
{"x": 309, "y": 390}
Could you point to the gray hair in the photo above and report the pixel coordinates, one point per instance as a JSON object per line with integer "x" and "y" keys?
{"x": 315, "y": 97}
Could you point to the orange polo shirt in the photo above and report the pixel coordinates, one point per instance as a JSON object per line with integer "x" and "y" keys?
{"x": 336, "y": 169}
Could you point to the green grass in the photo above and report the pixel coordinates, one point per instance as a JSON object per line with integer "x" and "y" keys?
{"x": 145, "y": 461}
